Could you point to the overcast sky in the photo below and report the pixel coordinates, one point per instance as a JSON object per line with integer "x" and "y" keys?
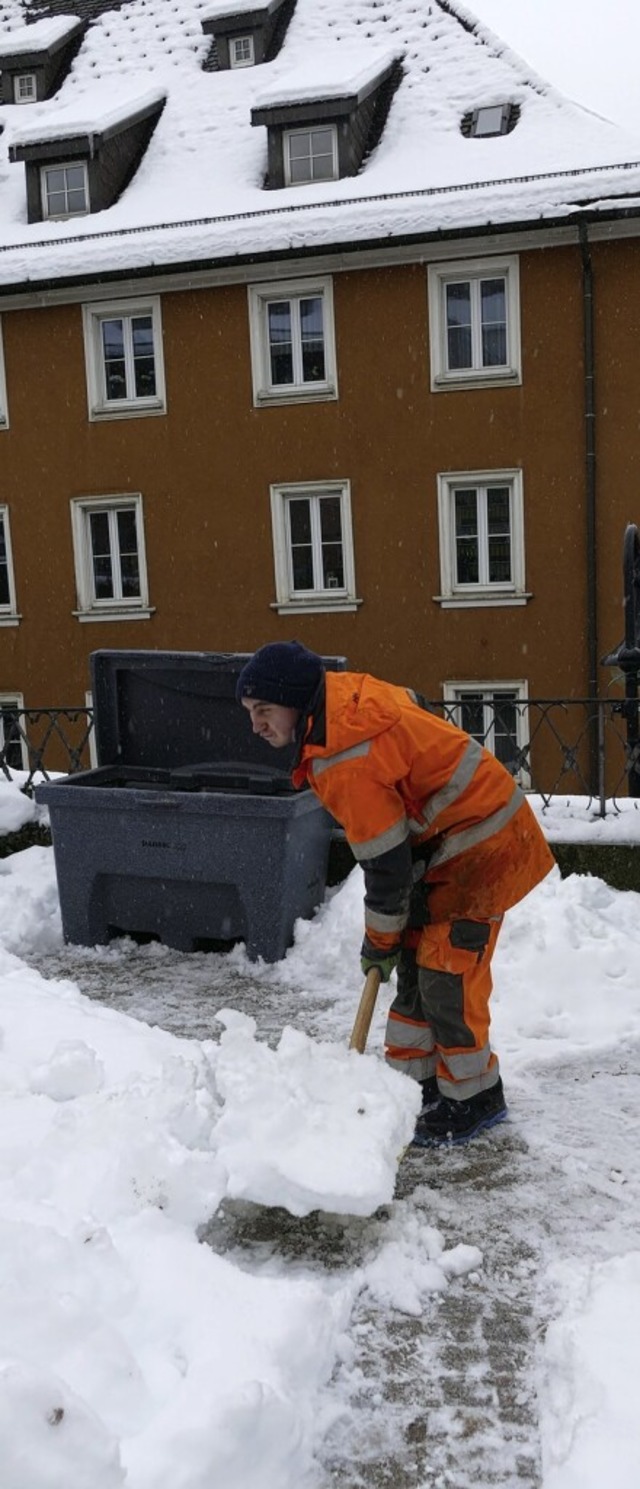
{"x": 589, "y": 50}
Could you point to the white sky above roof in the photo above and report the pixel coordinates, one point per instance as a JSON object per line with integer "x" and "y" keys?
{"x": 199, "y": 189}
{"x": 558, "y": 39}
{"x": 38, "y": 37}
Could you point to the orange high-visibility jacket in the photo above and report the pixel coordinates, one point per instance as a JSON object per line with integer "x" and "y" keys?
{"x": 395, "y": 775}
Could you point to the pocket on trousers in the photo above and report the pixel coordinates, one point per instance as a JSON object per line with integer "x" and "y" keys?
{"x": 470, "y": 935}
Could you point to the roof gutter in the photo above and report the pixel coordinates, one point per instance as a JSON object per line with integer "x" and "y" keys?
{"x": 339, "y": 248}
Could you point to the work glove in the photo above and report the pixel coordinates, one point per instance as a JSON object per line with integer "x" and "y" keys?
{"x": 385, "y": 961}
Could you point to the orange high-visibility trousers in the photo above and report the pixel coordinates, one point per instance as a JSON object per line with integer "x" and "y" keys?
{"x": 439, "y": 1022}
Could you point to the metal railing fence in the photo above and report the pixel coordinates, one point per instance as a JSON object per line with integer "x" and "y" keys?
{"x": 552, "y": 746}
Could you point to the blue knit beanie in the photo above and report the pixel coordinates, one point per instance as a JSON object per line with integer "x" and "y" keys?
{"x": 282, "y": 672}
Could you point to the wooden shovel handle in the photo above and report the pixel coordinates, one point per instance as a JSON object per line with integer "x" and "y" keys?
{"x": 362, "y": 1022}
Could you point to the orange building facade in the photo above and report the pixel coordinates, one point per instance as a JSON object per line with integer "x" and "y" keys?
{"x": 447, "y": 517}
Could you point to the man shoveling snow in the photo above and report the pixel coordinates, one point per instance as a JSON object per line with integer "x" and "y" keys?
{"x": 447, "y": 842}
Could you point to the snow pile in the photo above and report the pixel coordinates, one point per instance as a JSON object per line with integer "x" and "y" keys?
{"x": 590, "y": 1431}
{"x": 16, "y": 809}
{"x": 131, "y": 1354}
{"x": 309, "y": 1126}
{"x": 577, "y": 819}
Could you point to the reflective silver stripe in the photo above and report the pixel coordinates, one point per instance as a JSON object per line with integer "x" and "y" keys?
{"x": 381, "y": 843}
{"x": 391, "y": 838}
{"x": 417, "y": 827}
{"x": 402, "y": 1035}
{"x": 319, "y": 764}
{"x": 413, "y": 696}
{"x": 460, "y": 842}
{"x": 376, "y": 921}
{"x": 457, "y": 783}
{"x": 465, "y": 1066}
{"x": 418, "y": 1067}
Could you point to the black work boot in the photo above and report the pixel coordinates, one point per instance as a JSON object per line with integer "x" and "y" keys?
{"x": 457, "y": 1121}
{"x": 430, "y": 1093}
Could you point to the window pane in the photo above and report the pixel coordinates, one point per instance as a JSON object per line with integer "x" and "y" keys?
{"x": 101, "y": 555}
{"x": 472, "y": 715}
{"x": 489, "y": 120}
{"x": 128, "y": 545}
{"x": 331, "y": 538}
{"x": 55, "y": 190}
{"x": 55, "y": 179}
{"x": 504, "y": 740}
{"x": 5, "y": 598}
{"x": 493, "y": 311}
{"x": 301, "y": 543}
{"x": 280, "y": 342}
{"x": 322, "y": 154}
{"x": 466, "y": 537}
{"x": 300, "y": 520}
{"x": 499, "y": 529}
{"x": 11, "y": 736}
{"x": 76, "y": 201}
{"x": 115, "y": 375}
{"x": 459, "y": 352}
{"x": 312, "y": 339}
{"x": 143, "y": 356}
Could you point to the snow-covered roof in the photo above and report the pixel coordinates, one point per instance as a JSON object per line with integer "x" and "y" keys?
{"x": 199, "y": 194}
{"x": 97, "y": 114}
{"x": 49, "y": 32}
{"x": 218, "y": 10}
{"x": 339, "y": 72}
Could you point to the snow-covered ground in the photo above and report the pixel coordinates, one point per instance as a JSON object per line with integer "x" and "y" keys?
{"x": 180, "y": 1300}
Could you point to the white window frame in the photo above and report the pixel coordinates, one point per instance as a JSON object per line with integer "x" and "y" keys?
{"x": 8, "y": 613}
{"x": 472, "y": 271}
{"x": 63, "y": 165}
{"x": 454, "y": 595}
{"x": 16, "y": 701}
{"x": 234, "y": 60}
{"x": 289, "y": 134}
{"x": 300, "y": 602}
{"x": 266, "y": 393}
{"x": 24, "y": 77}
{"x": 4, "y": 411}
{"x": 101, "y": 407}
{"x": 454, "y": 693}
{"x": 117, "y": 608}
{"x": 93, "y": 750}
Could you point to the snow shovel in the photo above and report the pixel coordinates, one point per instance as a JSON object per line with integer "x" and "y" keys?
{"x": 362, "y": 1022}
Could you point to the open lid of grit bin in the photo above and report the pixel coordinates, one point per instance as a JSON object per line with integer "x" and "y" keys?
{"x": 175, "y": 709}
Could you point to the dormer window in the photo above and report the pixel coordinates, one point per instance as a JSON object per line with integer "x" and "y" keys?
{"x": 310, "y": 155}
{"x": 80, "y": 158}
{"x": 35, "y": 59}
{"x": 245, "y": 32}
{"x": 241, "y": 51}
{"x": 490, "y": 120}
{"x": 25, "y": 87}
{"x": 323, "y": 130}
{"x": 65, "y": 190}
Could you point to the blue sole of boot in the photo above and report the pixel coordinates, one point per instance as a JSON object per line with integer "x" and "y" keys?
{"x": 449, "y": 1141}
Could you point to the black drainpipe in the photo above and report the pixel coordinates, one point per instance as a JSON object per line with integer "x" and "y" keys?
{"x": 590, "y": 491}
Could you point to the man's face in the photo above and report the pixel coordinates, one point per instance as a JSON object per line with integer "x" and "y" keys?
{"x": 272, "y": 721}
